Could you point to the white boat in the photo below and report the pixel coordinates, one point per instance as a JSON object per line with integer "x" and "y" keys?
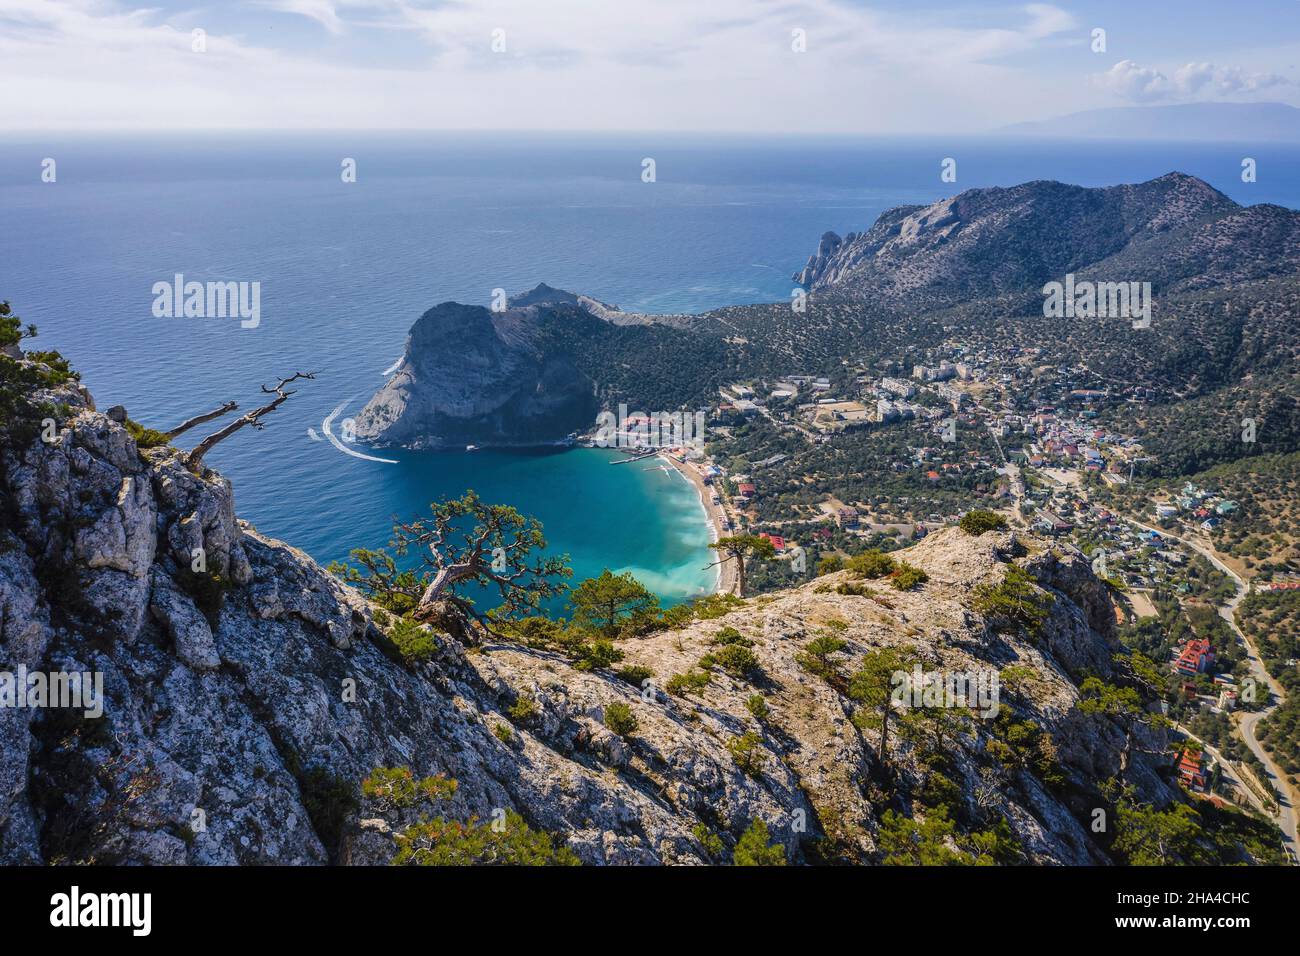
{"x": 471, "y": 447}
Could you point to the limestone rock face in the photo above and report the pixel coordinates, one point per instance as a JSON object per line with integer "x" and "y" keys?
{"x": 964, "y": 247}
{"x": 471, "y": 375}
{"x": 247, "y": 693}
{"x": 820, "y": 261}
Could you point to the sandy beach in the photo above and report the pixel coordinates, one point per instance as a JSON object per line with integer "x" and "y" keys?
{"x": 728, "y": 578}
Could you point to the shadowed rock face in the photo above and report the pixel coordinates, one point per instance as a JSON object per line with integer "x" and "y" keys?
{"x": 522, "y": 376}
{"x": 473, "y": 375}
{"x": 242, "y": 708}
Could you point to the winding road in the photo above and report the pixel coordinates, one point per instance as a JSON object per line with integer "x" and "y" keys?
{"x": 1286, "y": 816}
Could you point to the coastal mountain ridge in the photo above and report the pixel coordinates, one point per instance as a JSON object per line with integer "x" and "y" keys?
{"x": 984, "y": 243}
{"x": 1225, "y": 283}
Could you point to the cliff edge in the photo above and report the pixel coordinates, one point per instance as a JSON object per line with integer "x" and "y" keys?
{"x": 246, "y": 693}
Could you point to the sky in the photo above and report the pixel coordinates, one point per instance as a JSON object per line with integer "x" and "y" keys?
{"x": 850, "y": 67}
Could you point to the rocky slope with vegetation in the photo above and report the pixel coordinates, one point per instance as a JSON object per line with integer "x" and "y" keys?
{"x": 985, "y": 242}
{"x": 258, "y": 710}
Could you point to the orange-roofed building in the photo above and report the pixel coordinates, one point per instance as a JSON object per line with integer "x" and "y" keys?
{"x": 1196, "y": 657}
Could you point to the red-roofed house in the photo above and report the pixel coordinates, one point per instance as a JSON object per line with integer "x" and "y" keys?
{"x": 1195, "y": 657}
{"x": 778, "y": 542}
{"x": 1190, "y": 772}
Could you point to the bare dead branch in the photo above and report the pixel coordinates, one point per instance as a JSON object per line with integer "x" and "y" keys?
{"x": 194, "y": 461}
{"x": 200, "y": 419}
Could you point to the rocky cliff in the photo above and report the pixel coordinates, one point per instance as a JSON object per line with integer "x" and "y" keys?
{"x": 982, "y": 243}
{"x": 519, "y": 376}
{"x": 247, "y": 692}
{"x": 471, "y": 375}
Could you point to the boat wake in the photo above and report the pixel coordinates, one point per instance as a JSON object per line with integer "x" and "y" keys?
{"x": 327, "y": 427}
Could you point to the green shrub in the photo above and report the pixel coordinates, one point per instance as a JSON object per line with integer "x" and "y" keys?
{"x": 715, "y": 605}
{"x": 907, "y": 577}
{"x": 449, "y": 843}
{"x": 504, "y": 733}
{"x": 19, "y": 415}
{"x": 535, "y": 632}
{"x": 440, "y": 842}
{"x": 734, "y": 659}
{"x": 590, "y": 655}
{"x": 523, "y": 710}
{"x": 815, "y": 658}
{"x": 415, "y": 642}
{"x": 747, "y": 751}
{"x": 1024, "y": 745}
{"x": 1015, "y": 602}
{"x": 756, "y": 704}
{"x": 145, "y": 437}
{"x": 679, "y": 685}
{"x": 871, "y": 564}
{"x": 829, "y": 564}
{"x": 853, "y": 588}
{"x": 709, "y": 841}
{"x": 977, "y": 522}
{"x": 620, "y": 719}
{"x": 396, "y": 787}
{"x": 753, "y": 848}
{"x": 932, "y": 841}
{"x": 635, "y": 674}
{"x": 729, "y": 635}
{"x": 1098, "y": 697}
{"x": 676, "y": 617}
{"x": 56, "y": 369}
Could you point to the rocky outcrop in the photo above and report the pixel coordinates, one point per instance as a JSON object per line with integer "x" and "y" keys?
{"x": 472, "y": 375}
{"x": 820, "y": 261}
{"x": 1174, "y": 231}
{"x": 246, "y": 692}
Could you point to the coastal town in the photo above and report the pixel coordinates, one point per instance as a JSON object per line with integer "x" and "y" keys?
{"x": 998, "y": 431}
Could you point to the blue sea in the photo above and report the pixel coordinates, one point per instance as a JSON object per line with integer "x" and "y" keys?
{"x": 346, "y": 268}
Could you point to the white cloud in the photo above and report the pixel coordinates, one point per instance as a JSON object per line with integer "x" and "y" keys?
{"x": 569, "y": 64}
{"x": 1190, "y": 82}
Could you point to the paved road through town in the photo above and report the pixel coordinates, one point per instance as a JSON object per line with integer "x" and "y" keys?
{"x": 1286, "y": 817}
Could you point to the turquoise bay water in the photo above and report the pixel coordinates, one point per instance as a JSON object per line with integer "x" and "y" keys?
{"x": 345, "y": 270}
{"x": 640, "y": 517}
